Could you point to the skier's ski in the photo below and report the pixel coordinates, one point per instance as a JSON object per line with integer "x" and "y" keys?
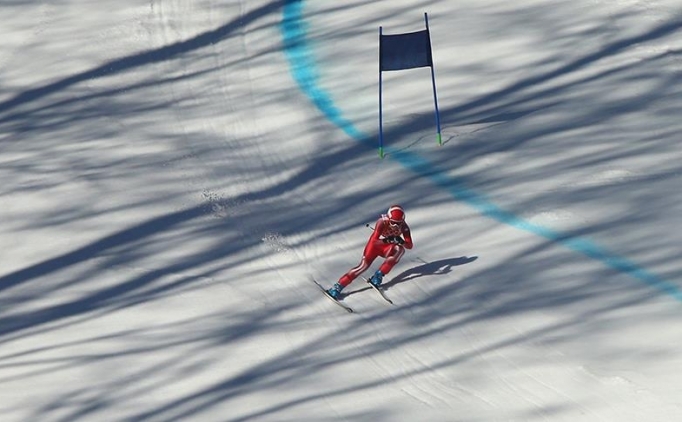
{"x": 324, "y": 291}
{"x": 380, "y": 290}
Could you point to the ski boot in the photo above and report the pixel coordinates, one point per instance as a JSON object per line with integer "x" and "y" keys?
{"x": 375, "y": 280}
{"x": 335, "y": 291}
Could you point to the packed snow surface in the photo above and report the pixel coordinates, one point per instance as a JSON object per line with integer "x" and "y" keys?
{"x": 173, "y": 173}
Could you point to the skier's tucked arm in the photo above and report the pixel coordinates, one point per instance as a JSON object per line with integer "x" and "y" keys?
{"x": 378, "y": 229}
{"x": 408, "y": 237}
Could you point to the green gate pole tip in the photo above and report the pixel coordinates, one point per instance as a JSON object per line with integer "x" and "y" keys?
{"x": 381, "y": 152}
{"x": 440, "y": 139}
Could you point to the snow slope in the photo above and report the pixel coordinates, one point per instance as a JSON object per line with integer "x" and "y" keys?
{"x": 173, "y": 172}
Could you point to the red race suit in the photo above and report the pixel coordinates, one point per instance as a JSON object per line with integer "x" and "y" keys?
{"x": 382, "y": 244}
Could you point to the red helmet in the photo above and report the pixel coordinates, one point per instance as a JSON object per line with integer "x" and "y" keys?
{"x": 396, "y": 214}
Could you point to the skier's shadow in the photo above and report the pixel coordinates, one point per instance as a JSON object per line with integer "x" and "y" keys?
{"x": 443, "y": 266}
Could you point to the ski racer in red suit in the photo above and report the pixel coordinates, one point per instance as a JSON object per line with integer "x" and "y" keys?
{"x": 389, "y": 240}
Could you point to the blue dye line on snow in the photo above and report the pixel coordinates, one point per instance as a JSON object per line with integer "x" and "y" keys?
{"x": 304, "y": 71}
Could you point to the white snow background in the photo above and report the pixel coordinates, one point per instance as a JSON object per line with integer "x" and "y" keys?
{"x": 173, "y": 173}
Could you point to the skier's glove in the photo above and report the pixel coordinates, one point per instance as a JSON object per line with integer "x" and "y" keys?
{"x": 396, "y": 240}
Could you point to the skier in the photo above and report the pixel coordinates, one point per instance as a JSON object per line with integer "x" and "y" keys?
{"x": 389, "y": 240}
